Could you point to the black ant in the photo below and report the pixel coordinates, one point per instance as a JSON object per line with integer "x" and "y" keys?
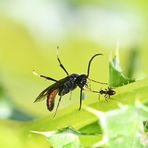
{"x": 107, "y": 92}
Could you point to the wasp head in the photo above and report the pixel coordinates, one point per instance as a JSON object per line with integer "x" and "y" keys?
{"x": 81, "y": 80}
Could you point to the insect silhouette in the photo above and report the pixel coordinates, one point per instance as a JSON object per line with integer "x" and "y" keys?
{"x": 107, "y": 92}
{"x": 64, "y": 86}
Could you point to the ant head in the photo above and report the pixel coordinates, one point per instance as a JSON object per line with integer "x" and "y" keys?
{"x": 81, "y": 80}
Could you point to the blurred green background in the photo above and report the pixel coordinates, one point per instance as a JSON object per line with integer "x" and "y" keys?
{"x": 30, "y": 31}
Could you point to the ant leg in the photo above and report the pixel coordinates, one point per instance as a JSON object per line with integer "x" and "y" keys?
{"x": 48, "y": 78}
{"x": 88, "y": 85}
{"x": 99, "y": 96}
{"x": 81, "y": 98}
{"x": 109, "y": 87}
{"x": 106, "y": 96}
{"x": 100, "y": 93}
{"x": 57, "y": 106}
{"x": 61, "y": 65}
{"x": 106, "y": 90}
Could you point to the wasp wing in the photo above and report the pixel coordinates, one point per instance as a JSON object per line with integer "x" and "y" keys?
{"x": 50, "y": 89}
{"x": 50, "y": 92}
{"x": 45, "y": 92}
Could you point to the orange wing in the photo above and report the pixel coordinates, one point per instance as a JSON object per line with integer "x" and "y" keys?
{"x": 51, "y": 99}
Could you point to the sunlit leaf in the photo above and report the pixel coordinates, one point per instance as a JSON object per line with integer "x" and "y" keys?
{"x": 133, "y": 66}
{"x": 116, "y": 76}
{"x": 122, "y": 126}
{"x": 84, "y": 120}
{"x": 63, "y": 138}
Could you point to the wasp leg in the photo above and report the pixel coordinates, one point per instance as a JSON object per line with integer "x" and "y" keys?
{"x": 61, "y": 65}
{"x": 97, "y": 81}
{"x": 48, "y": 78}
{"x": 57, "y": 106}
{"x": 88, "y": 85}
{"x": 70, "y": 96}
{"x": 81, "y": 98}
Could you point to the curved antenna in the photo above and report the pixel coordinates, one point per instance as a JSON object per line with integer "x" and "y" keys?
{"x": 88, "y": 70}
{"x": 98, "y": 81}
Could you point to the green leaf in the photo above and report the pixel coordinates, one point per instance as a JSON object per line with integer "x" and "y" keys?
{"x": 80, "y": 120}
{"x": 63, "y": 138}
{"x": 145, "y": 123}
{"x": 122, "y": 126}
{"x": 116, "y": 76}
{"x": 66, "y": 137}
{"x": 133, "y": 63}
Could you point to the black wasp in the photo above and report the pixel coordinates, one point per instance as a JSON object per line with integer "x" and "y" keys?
{"x": 64, "y": 85}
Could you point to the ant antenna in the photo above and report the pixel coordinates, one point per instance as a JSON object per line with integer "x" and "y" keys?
{"x": 88, "y": 70}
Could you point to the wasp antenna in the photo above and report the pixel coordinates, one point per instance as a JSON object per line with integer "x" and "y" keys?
{"x": 88, "y": 69}
{"x": 35, "y": 73}
{"x": 61, "y": 65}
{"x": 57, "y": 52}
{"x": 98, "y": 81}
